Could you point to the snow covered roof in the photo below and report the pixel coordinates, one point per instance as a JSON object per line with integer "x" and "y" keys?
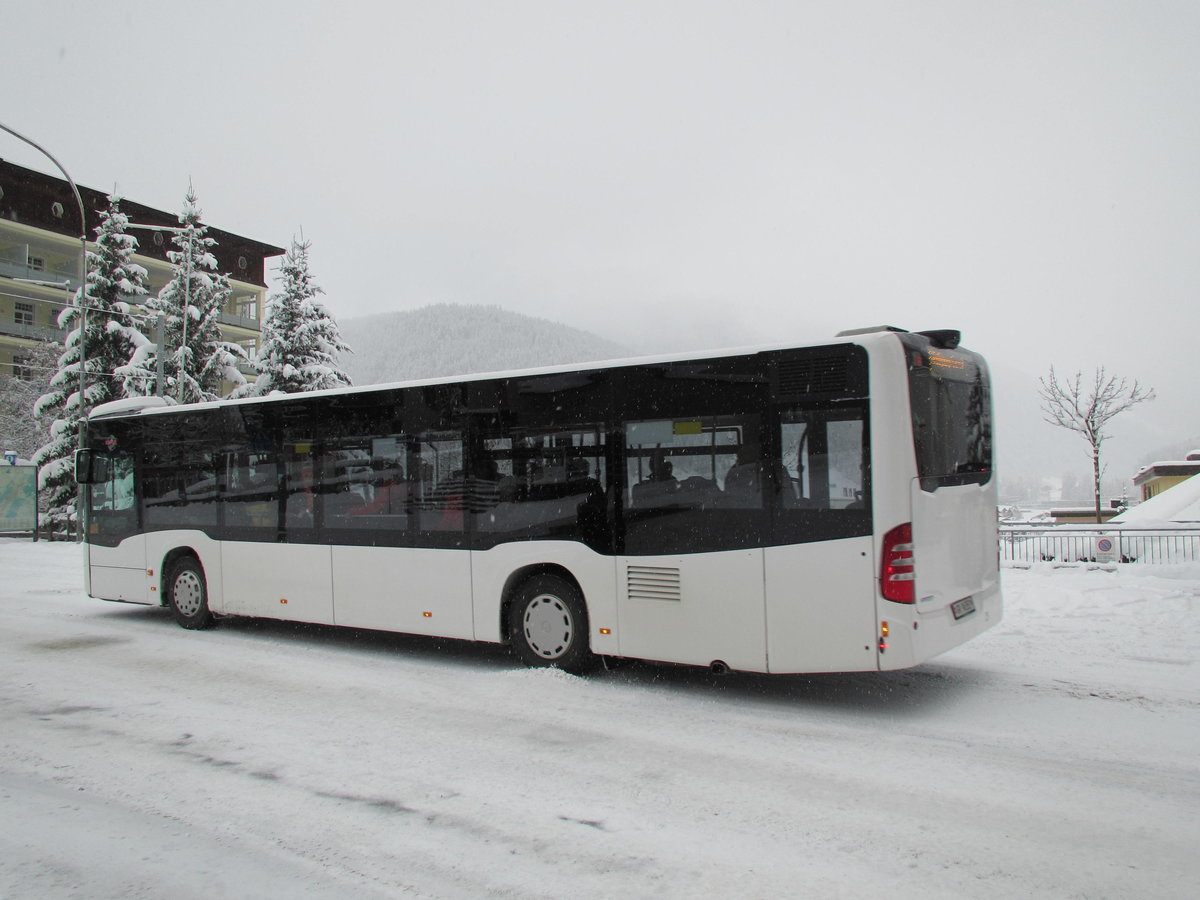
{"x": 1176, "y": 505}
{"x": 1166, "y": 467}
{"x": 128, "y": 404}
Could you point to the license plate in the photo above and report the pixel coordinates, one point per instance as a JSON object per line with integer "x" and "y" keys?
{"x": 963, "y": 607}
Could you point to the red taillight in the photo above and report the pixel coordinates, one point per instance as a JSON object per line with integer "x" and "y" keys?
{"x": 896, "y": 573}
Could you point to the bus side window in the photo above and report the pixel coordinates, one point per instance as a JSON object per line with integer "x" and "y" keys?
{"x": 123, "y": 496}
{"x": 115, "y": 492}
{"x": 701, "y": 462}
{"x": 795, "y": 489}
{"x": 847, "y": 487}
{"x": 544, "y": 483}
{"x": 299, "y": 485}
{"x": 823, "y": 462}
{"x": 440, "y": 485}
{"x": 822, "y": 475}
{"x": 251, "y": 491}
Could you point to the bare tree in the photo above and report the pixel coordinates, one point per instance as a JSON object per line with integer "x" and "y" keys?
{"x": 1087, "y": 409}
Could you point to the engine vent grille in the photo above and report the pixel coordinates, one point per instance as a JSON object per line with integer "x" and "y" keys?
{"x": 653, "y": 583}
{"x": 816, "y": 374}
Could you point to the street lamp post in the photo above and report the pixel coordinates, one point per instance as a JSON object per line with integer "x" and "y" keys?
{"x": 187, "y": 305}
{"x": 79, "y": 507}
{"x": 82, "y": 264}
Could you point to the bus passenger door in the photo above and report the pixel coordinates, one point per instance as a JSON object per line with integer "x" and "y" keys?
{"x": 820, "y": 574}
{"x": 291, "y": 578}
{"x": 690, "y": 585}
{"x": 116, "y": 548}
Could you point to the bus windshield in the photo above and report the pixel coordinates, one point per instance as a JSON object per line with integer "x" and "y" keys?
{"x": 951, "y": 409}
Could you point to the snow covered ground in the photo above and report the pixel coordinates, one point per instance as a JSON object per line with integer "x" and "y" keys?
{"x": 1055, "y": 756}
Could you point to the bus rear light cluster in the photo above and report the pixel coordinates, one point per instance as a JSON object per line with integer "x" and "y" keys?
{"x": 897, "y": 576}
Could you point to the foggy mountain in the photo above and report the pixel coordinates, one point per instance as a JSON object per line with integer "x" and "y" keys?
{"x": 1035, "y": 460}
{"x": 449, "y": 339}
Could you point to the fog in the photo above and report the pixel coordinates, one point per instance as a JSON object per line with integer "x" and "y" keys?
{"x": 673, "y": 175}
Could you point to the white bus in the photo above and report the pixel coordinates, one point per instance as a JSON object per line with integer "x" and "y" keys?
{"x": 816, "y": 508}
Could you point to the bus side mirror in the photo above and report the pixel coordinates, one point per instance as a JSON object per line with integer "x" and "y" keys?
{"x": 89, "y": 468}
{"x": 83, "y": 466}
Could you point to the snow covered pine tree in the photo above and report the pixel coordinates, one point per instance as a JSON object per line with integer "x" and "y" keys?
{"x": 300, "y": 340}
{"x": 196, "y": 360}
{"x": 114, "y": 283}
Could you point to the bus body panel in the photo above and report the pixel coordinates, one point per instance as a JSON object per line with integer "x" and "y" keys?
{"x": 282, "y": 581}
{"x": 939, "y": 631}
{"x": 491, "y": 571}
{"x": 412, "y": 590}
{"x": 955, "y": 543}
{"x": 694, "y": 609}
{"x": 816, "y": 621}
{"x": 915, "y": 637}
{"x": 119, "y": 573}
{"x": 955, "y": 551}
{"x": 956, "y": 559}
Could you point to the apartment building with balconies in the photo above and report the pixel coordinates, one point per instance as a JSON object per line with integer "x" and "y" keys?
{"x": 39, "y": 262}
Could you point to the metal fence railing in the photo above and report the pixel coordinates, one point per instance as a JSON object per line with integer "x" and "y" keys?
{"x": 1057, "y": 543}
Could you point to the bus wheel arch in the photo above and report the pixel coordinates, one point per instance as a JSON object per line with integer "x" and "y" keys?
{"x": 544, "y": 616}
{"x": 185, "y": 589}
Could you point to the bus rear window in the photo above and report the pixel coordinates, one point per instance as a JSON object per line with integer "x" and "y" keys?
{"x": 951, "y": 409}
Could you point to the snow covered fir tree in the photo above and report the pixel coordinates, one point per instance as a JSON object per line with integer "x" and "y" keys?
{"x": 196, "y": 360}
{"x": 300, "y": 340}
{"x": 23, "y": 433}
{"x": 102, "y": 335}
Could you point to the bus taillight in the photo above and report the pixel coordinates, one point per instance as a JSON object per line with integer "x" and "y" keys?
{"x": 897, "y": 576}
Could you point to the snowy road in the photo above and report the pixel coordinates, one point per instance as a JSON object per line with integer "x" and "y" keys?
{"x": 1055, "y": 756}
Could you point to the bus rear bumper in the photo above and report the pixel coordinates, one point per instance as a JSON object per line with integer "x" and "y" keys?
{"x": 916, "y": 636}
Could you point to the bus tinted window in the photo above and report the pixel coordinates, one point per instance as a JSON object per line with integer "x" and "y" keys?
{"x": 706, "y": 462}
{"x": 299, "y": 463}
{"x": 366, "y": 484}
{"x": 439, "y": 488}
{"x": 547, "y": 485}
{"x": 694, "y": 483}
{"x": 250, "y": 466}
{"x": 179, "y": 474}
{"x": 823, "y": 463}
{"x": 824, "y": 481}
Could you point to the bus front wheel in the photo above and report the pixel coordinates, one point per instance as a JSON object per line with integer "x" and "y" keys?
{"x": 548, "y": 625}
{"x": 187, "y": 593}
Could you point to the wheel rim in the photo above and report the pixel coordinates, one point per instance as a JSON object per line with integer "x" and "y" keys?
{"x": 548, "y": 626}
{"x": 188, "y": 593}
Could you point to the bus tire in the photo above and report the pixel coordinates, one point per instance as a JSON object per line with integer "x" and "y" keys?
{"x": 548, "y": 625}
{"x": 187, "y": 593}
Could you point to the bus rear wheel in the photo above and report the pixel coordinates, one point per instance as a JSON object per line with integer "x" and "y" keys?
{"x": 548, "y": 625}
{"x": 187, "y": 593}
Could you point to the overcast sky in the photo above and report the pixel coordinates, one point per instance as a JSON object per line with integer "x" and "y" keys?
{"x": 672, "y": 173}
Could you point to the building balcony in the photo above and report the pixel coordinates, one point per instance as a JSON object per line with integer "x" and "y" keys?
{"x": 54, "y": 277}
{"x": 239, "y": 321}
{"x": 225, "y": 318}
{"x": 32, "y": 332}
